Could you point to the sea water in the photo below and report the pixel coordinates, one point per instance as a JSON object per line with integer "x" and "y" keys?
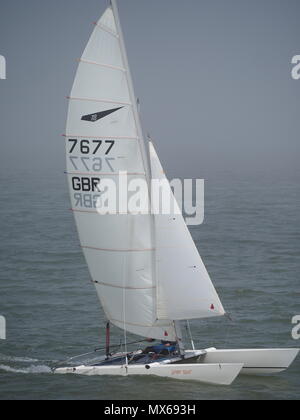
{"x": 250, "y": 243}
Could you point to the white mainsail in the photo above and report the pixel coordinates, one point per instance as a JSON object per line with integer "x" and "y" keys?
{"x": 184, "y": 288}
{"x": 104, "y": 137}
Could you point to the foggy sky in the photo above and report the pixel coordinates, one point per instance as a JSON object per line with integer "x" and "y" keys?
{"x": 213, "y": 78}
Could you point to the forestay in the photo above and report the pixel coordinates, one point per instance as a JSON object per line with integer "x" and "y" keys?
{"x": 104, "y": 137}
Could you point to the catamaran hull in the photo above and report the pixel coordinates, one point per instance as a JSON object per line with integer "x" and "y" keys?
{"x": 255, "y": 361}
{"x": 216, "y": 374}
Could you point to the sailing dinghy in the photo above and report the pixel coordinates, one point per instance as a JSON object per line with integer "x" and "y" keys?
{"x": 146, "y": 268}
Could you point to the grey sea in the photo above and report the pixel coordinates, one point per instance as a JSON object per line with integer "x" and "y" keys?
{"x": 250, "y": 243}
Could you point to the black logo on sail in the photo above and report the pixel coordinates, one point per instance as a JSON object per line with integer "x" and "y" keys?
{"x": 99, "y": 115}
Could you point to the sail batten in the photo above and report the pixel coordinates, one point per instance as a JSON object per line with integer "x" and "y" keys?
{"x": 110, "y": 66}
{"x": 99, "y": 100}
{"x": 106, "y": 29}
{"x": 121, "y": 287}
{"x": 118, "y": 250}
{"x": 82, "y": 136}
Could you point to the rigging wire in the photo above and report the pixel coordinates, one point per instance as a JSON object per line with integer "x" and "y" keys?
{"x": 124, "y": 302}
{"x": 190, "y": 334}
{"x": 124, "y": 313}
{"x": 231, "y": 322}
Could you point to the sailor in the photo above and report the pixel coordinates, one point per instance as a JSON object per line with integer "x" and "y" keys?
{"x": 164, "y": 348}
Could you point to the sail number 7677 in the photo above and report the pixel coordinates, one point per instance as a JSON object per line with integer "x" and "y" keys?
{"x": 91, "y": 155}
{"x": 85, "y": 147}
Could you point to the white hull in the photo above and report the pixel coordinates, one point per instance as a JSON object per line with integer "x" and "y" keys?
{"x": 217, "y": 374}
{"x": 210, "y": 366}
{"x": 255, "y": 361}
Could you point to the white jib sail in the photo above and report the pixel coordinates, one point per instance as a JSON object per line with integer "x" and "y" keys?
{"x": 184, "y": 288}
{"x": 103, "y": 137}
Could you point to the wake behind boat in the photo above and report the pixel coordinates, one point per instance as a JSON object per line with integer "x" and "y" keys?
{"x": 146, "y": 268}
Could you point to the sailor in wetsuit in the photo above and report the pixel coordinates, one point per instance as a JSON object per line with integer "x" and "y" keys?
{"x": 165, "y": 348}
